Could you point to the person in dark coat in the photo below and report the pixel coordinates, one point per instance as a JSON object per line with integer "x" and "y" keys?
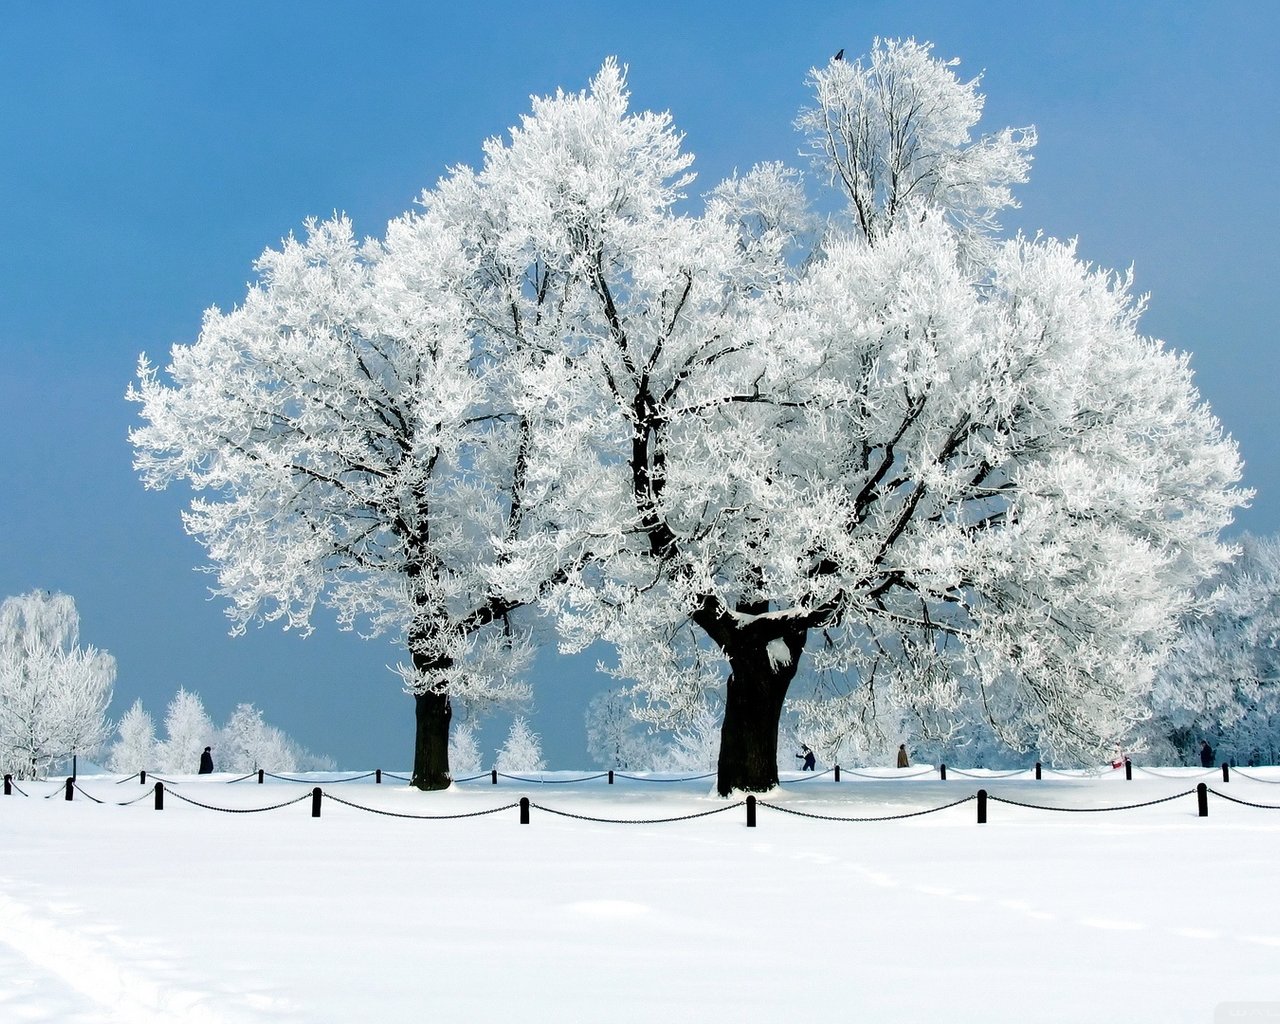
{"x": 206, "y": 761}
{"x": 903, "y": 760}
{"x": 807, "y": 755}
{"x": 1206, "y": 754}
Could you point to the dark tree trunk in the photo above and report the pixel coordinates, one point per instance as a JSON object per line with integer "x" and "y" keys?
{"x": 752, "y": 713}
{"x": 431, "y": 742}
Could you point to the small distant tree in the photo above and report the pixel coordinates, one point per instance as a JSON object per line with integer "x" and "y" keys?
{"x": 615, "y": 737}
{"x": 522, "y": 751}
{"x": 247, "y": 743}
{"x": 464, "y": 750}
{"x": 135, "y": 749}
{"x": 695, "y": 742}
{"x": 53, "y": 693}
{"x": 188, "y": 730}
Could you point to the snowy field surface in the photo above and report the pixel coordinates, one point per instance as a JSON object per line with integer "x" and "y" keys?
{"x": 124, "y": 914}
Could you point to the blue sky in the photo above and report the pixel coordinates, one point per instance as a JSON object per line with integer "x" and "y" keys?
{"x": 149, "y": 151}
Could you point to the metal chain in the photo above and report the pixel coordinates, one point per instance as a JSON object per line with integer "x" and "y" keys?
{"x": 423, "y": 817}
{"x": 145, "y": 794}
{"x": 128, "y": 777}
{"x": 637, "y": 821}
{"x": 807, "y": 777}
{"x": 1254, "y": 778}
{"x": 996, "y": 775}
{"x": 76, "y": 786}
{"x": 1126, "y": 807}
{"x": 887, "y": 817}
{"x": 550, "y": 782}
{"x": 1235, "y": 800}
{"x": 242, "y": 810}
{"x": 640, "y": 778}
{"x": 1166, "y": 775}
{"x": 886, "y": 778}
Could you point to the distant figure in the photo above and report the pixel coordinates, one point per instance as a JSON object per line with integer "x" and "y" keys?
{"x": 1206, "y": 754}
{"x": 206, "y": 762}
{"x": 840, "y": 55}
{"x": 808, "y": 757}
{"x": 903, "y": 760}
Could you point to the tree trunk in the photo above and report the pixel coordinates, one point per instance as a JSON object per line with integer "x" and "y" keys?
{"x": 752, "y": 713}
{"x": 431, "y": 741}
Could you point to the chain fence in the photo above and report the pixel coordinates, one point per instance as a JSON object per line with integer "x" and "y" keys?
{"x": 1084, "y": 810}
{"x": 885, "y": 817}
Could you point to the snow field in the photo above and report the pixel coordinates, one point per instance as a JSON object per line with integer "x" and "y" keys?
{"x": 123, "y": 914}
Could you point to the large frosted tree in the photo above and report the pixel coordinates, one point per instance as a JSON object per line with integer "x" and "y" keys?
{"x": 944, "y": 469}
{"x": 355, "y": 440}
{"x": 53, "y": 692}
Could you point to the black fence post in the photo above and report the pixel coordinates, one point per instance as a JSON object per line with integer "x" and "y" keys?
{"x": 493, "y": 776}
{"x": 982, "y": 807}
{"x": 377, "y": 776}
{"x": 316, "y": 794}
{"x": 837, "y": 773}
{"x": 1226, "y": 772}
{"x": 8, "y": 785}
{"x": 611, "y": 776}
{"x": 159, "y": 796}
{"x": 524, "y": 810}
{"x": 1128, "y": 770}
{"x": 751, "y": 812}
{"x": 71, "y": 787}
{"x": 1037, "y": 771}
{"x": 261, "y": 774}
{"x": 1202, "y": 800}
{"x": 142, "y": 778}
{"x": 942, "y": 770}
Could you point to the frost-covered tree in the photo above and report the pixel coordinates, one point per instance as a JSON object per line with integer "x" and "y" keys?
{"x": 188, "y": 730}
{"x": 247, "y": 743}
{"x": 135, "y": 749}
{"x": 464, "y": 749}
{"x": 951, "y": 477}
{"x": 53, "y": 692}
{"x": 616, "y": 738}
{"x": 694, "y": 745}
{"x": 522, "y": 749}
{"x": 355, "y": 431}
{"x": 1221, "y": 682}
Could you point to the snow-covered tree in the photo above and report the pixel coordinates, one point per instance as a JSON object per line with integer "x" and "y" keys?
{"x": 464, "y": 749}
{"x": 522, "y": 749}
{"x": 616, "y": 738}
{"x": 53, "y": 692}
{"x": 694, "y": 745}
{"x": 135, "y": 749}
{"x": 247, "y": 743}
{"x": 1221, "y": 682}
{"x": 188, "y": 730}
{"x": 355, "y": 431}
{"x": 954, "y": 475}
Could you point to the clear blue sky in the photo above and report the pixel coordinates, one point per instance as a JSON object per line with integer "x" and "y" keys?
{"x": 150, "y": 150}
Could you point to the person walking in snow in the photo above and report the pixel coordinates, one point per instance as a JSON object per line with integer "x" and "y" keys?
{"x": 807, "y": 755}
{"x": 903, "y": 760}
{"x": 206, "y": 762}
{"x": 1206, "y": 754}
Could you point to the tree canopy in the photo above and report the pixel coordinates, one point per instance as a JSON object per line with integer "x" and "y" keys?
{"x": 936, "y": 474}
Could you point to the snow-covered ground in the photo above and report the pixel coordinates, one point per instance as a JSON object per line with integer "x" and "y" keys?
{"x": 126, "y": 914}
